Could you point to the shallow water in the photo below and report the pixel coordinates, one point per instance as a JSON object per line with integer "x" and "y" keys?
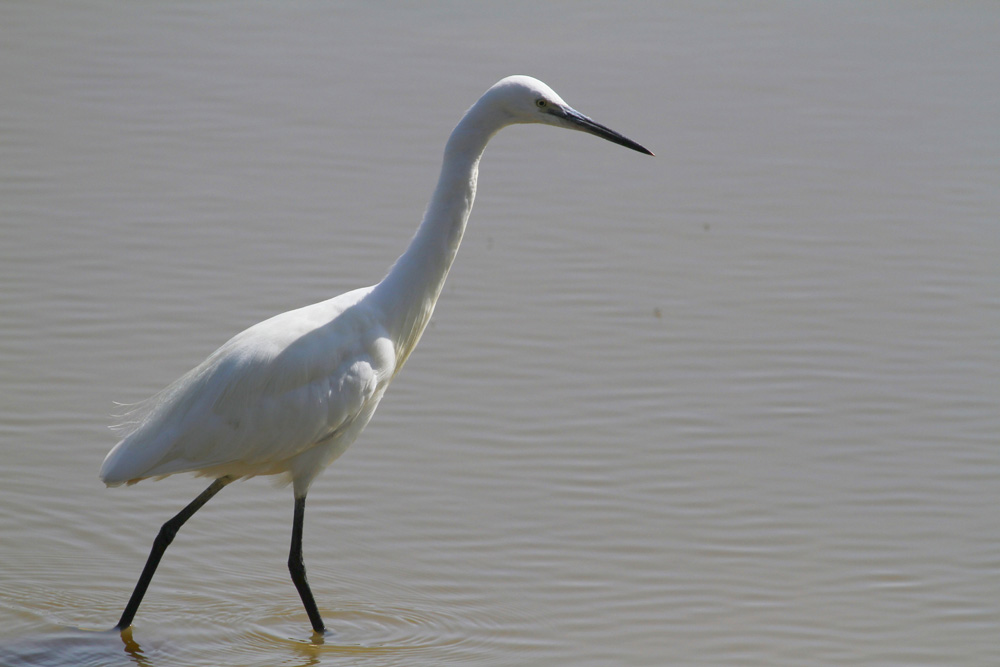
{"x": 735, "y": 404}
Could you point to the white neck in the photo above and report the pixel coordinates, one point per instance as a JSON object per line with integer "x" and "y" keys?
{"x": 408, "y": 293}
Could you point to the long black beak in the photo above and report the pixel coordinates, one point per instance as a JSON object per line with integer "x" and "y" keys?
{"x": 578, "y": 121}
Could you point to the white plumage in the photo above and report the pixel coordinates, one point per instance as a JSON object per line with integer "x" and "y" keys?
{"x": 290, "y": 394}
{"x": 305, "y": 380}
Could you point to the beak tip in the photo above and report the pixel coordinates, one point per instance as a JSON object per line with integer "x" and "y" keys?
{"x": 639, "y": 148}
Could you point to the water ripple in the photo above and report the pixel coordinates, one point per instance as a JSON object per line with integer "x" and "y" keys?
{"x": 394, "y": 632}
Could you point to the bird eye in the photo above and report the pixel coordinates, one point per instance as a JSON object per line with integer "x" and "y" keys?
{"x": 541, "y": 103}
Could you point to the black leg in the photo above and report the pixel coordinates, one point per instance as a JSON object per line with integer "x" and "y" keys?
{"x": 160, "y": 544}
{"x": 298, "y": 569}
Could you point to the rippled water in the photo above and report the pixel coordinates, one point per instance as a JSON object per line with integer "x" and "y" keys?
{"x": 735, "y": 404}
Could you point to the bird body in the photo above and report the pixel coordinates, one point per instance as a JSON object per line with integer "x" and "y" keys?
{"x": 290, "y": 394}
{"x": 304, "y": 380}
{"x": 309, "y": 378}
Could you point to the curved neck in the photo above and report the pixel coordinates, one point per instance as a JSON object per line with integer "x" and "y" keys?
{"x": 410, "y": 290}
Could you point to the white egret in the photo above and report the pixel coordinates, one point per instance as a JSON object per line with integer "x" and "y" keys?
{"x": 290, "y": 394}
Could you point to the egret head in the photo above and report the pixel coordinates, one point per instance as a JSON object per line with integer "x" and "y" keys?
{"x": 528, "y": 100}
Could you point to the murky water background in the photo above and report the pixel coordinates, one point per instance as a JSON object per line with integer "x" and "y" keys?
{"x": 735, "y": 404}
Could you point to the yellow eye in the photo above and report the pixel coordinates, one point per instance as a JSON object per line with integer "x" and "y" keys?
{"x": 541, "y": 103}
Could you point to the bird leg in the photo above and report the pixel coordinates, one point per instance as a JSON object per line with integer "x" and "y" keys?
{"x": 160, "y": 544}
{"x": 297, "y": 568}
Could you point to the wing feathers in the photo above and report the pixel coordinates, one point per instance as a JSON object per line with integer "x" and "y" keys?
{"x": 267, "y": 395}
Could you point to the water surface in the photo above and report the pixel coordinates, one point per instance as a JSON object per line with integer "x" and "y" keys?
{"x": 735, "y": 404}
